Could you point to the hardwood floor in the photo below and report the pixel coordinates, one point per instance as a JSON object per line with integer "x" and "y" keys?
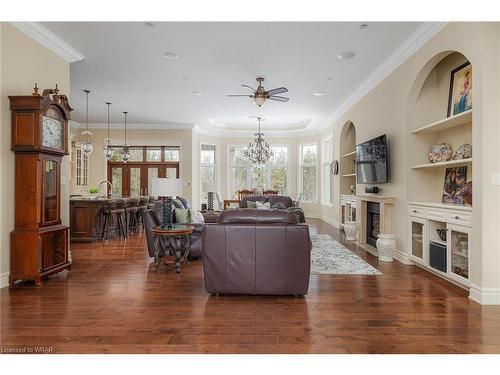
{"x": 113, "y": 302}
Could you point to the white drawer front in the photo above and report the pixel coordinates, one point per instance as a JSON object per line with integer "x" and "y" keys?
{"x": 459, "y": 217}
{"x": 436, "y": 214}
{"x": 416, "y": 211}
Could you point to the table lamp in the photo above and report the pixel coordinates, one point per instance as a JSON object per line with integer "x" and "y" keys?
{"x": 167, "y": 188}
{"x": 210, "y": 188}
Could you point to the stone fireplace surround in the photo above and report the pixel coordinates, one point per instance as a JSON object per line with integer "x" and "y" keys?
{"x": 385, "y": 220}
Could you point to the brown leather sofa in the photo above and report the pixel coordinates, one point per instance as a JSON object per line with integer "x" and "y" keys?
{"x": 256, "y": 252}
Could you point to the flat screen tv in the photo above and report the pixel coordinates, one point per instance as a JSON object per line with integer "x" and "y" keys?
{"x": 372, "y": 161}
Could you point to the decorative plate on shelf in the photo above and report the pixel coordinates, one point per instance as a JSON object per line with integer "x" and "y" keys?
{"x": 439, "y": 153}
{"x": 463, "y": 152}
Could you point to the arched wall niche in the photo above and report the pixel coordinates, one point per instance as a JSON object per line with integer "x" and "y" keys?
{"x": 347, "y": 157}
{"x": 427, "y": 103}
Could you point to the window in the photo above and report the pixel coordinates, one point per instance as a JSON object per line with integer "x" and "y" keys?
{"x": 272, "y": 175}
{"x": 172, "y": 153}
{"x": 135, "y": 177}
{"x": 136, "y": 153}
{"x": 81, "y": 167}
{"x": 308, "y": 172}
{"x": 207, "y": 166}
{"x": 326, "y": 160}
{"x": 153, "y": 154}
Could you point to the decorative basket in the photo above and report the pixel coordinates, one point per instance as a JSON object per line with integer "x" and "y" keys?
{"x": 442, "y": 234}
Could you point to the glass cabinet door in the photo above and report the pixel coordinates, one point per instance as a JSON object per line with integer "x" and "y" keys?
{"x": 417, "y": 239}
{"x": 459, "y": 245}
{"x": 50, "y": 187}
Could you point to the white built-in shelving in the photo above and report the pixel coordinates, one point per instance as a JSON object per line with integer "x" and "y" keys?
{"x": 448, "y": 163}
{"x": 462, "y": 119}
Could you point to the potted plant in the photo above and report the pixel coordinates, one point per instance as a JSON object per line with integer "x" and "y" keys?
{"x": 93, "y": 190}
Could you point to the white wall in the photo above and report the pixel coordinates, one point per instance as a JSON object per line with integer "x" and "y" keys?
{"x": 23, "y": 62}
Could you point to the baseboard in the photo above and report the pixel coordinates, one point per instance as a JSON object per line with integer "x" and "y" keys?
{"x": 484, "y": 296}
{"x": 402, "y": 257}
{"x": 330, "y": 221}
{"x": 4, "y": 280}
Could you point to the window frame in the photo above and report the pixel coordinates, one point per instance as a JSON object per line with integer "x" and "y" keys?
{"x": 216, "y": 172}
{"x": 300, "y": 174}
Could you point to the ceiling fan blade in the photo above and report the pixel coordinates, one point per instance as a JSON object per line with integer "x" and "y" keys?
{"x": 251, "y": 88}
{"x": 249, "y": 96}
{"x": 279, "y": 90}
{"x": 279, "y": 98}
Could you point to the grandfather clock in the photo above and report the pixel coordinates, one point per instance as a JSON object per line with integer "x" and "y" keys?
{"x": 39, "y": 243}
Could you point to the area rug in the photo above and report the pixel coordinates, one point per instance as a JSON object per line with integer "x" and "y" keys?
{"x": 328, "y": 257}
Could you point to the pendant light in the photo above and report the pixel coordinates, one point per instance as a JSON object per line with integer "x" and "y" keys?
{"x": 108, "y": 151}
{"x": 259, "y": 151}
{"x": 125, "y": 154}
{"x": 87, "y": 145}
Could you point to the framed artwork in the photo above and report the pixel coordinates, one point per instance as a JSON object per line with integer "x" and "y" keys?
{"x": 455, "y": 188}
{"x": 460, "y": 95}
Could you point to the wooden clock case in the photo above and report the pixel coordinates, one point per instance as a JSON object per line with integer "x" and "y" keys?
{"x": 39, "y": 243}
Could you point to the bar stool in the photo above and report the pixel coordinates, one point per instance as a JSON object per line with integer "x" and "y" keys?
{"x": 131, "y": 212}
{"x": 115, "y": 208}
{"x": 143, "y": 206}
{"x": 151, "y": 203}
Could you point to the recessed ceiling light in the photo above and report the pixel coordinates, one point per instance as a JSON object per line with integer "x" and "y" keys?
{"x": 170, "y": 55}
{"x": 346, "y": 55}
{"x": 364, "y": 26}
{"x": 197, "y": 93}
{"x": 149, "y": 24}
{"x": 319, "y": 93}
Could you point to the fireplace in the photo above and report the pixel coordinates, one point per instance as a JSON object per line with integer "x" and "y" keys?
{"x": 372, "y": 222}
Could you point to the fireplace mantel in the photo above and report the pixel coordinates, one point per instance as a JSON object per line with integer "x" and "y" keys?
{"x": 386, "y": 204}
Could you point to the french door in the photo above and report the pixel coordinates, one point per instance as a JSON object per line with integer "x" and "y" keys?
{"x": 135, "y": 179}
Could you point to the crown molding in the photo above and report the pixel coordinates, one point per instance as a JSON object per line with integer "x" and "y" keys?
{"x": 422, "y": 35}
{"x": 143, "y": 126}
{"x": 251, "y": 133}
{"x": 49, "y": 40}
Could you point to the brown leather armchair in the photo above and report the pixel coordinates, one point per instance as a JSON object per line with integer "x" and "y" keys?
{"x": 256, "y": 252}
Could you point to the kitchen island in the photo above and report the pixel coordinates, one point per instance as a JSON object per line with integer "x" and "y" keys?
{"x": 86, "y": 218}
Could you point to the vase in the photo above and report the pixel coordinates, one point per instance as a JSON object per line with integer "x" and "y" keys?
{"x": 350, "y": 229}
{"x": 385, "y": 246}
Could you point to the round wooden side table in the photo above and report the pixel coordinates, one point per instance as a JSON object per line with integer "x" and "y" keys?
{"x": 176, "y": 243}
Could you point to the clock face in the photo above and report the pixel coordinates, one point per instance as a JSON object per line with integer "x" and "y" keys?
{"x": 52, "y": 133}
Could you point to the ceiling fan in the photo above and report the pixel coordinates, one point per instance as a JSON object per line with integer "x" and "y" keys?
{"x": 260, "y": 95}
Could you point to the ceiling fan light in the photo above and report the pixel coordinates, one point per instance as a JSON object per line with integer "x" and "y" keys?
{"x": 259, "y": 100}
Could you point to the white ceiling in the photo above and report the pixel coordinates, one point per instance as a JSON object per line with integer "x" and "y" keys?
{"x": 124, "y": 64}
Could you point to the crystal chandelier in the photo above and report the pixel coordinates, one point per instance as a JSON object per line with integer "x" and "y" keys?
{"x": 108, "y": 151}
{"x": 258, "y": 151}
{"x": 125, "y": 153}
{"x": 87, "y": 145}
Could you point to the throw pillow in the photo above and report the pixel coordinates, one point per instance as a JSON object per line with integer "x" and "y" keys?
{"x": 251, "y": 204}
{"x": 279, "y": 205}
{"x": 263, "y": 206}
{"x": 197, "y": 217}
{"x": 182, "y": 216}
